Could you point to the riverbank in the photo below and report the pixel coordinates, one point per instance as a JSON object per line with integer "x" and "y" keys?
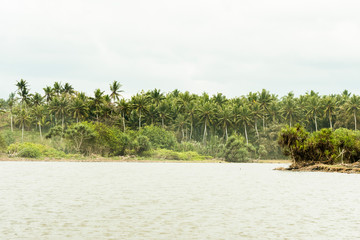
{"x": 104, "y": 159}
{"x": 5, "y": 158}
{"x": 342, "y": 168}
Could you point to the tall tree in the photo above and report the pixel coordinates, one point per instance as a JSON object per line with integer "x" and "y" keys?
{"x": 139, "y": 102}
{"x": 115, "y": 88}
{"x": 353, "y": 106}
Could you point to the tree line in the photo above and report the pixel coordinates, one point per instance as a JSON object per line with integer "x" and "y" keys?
{"x": 191, "y": 117}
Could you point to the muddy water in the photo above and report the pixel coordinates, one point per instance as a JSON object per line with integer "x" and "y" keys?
{"x": 57, "y": 200}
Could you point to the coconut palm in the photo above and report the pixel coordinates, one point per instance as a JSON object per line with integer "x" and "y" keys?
{"x": 59, "y": 107}
{"x": 23, "y": 91}
{"x": 139, "y": 103}
{"x": 206, "y": 114}
{"x": 314, "y": 109}
{"x": 329, "y": 107}
{"x": 79, "y": 108}
{"x": 49, "y": 93}
{"x": 123, "y": 107}
{"x": 39, "y": 113}
{"x": 97, "y": 102}
{"x": 225, "y": 117}
{"x": 23, "y": 119}
{"x": 115, "y": 91}
{"x": 352, "y": 105}
{"x": 243, "y": 115}
{"x": 11, "y": 102}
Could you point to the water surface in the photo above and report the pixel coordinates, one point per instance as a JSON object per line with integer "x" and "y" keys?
{"x": 81, "y": 200}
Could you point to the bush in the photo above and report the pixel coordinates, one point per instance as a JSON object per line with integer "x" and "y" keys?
{"x": 110, "y": 141}
{"x": 80, "y": 135}
{"x": 159, "y": 137}
{"x": 33, "y": 150}
{"x": 29, "y": 152}
{"x": 167, "y": 154}
{"x": 236, "y": 150}
{"x": 2, "y": 143}
{"x": 142, "y": 144}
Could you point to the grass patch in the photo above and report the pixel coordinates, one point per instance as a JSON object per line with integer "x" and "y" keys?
{"x": 35, "y": 150}
{"x": 166, "y": 154}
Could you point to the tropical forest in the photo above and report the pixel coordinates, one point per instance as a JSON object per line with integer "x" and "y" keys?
{"x": 63, "y": 122}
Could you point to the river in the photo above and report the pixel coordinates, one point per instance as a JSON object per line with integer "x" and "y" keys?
{"x": 82, "y": 200}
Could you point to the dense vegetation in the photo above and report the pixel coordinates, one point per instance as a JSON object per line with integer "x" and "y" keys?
{"x": 325, "y": 146}
{"x": 235, "y": 129}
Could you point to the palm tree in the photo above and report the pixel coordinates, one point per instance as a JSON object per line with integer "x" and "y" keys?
{"x": 330, "y": 106}
{"x": 11, "y": 102}
{"x": 37, "y": 99}
{"x": 289, "y": 107}
{"x": 59, "y": 107}
{"x": 97, "y": 102}
{"x": 264, "y": 99}
{"x": 243, "y": 115}
{"x": 79, "y": 108}
{"x": 156, "y": 96}
{"x": 68, "y": 89}
{"x": 225, "y": 119}
{"x": 206, "y": 114}
{"x": 256, "y": 113}
{"x": 124, "y": 107}
{"x": 190, "y": 113}
{"x": 49, "y": 93}
{"x": 115, "y": 91}
{"x": 23, "y": 119}
{"x": 139, "y": 104}
{"x": 313, "y": 108}
{"x": 23, "y": 91}
{"x": 38, "y": 111}
{"x": 163, "y": 110}
{"x": 353, "y": 105}
{"x": 58, "y": 89}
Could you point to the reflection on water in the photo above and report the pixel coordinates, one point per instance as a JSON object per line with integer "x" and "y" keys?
{"x": 56, "y": 200}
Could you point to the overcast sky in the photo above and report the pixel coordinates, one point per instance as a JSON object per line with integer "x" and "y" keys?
{"x": 232, "y": 47}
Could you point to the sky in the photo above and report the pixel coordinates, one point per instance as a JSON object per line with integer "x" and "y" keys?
{"x": 225, "y": 46}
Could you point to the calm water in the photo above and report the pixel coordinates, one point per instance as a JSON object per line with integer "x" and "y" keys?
{"x": 174, "y": 201}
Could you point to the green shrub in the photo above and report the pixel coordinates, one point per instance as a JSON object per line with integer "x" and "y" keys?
{"x": 29, "y": 152}
{"x": 110, "y": 141}
{"x": 2, "y": 143}
{"x": 81, "y": 135}
{"x": 236, "y": 150}
{"x": 159, "y": 137}
{"x": 142, "y": 144}
{"x": 33, "y": 150}
{"x": 167, "y": 154}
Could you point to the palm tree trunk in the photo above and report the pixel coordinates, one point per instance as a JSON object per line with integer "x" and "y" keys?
{"x": 263, "y": 123}
{"x": 191, "y": 130}
{"x": 355, "y": 119}
{"x": 226, "y": 132}
{"x": 40, "y": 131}
{"x": 256, "y": 129}
{"x": 140, "y": 119}
{"x": 330, "y": 121}
{"x": 162, "y": 122}
{"x": 62, "y": 123}
{"x": 246, "y": 136}
{"x": 123, "y": 117}
{"x": 315, "y": 123}
{"x": 290, "y": 120}
{"x": 204, "y": 137}
{"x": 22, "y": 132}
{"x": 11, "y": 122}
